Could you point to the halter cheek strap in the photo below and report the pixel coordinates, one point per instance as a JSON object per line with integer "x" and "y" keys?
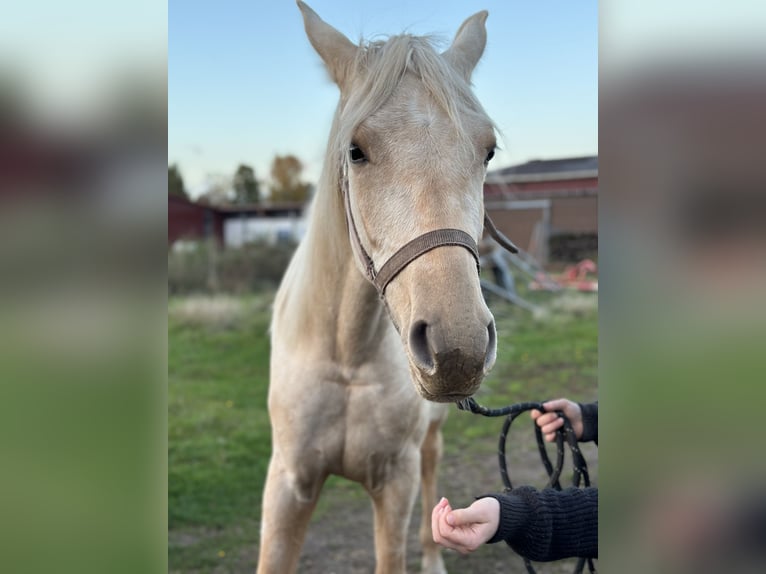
{"x": 415, "y": 248}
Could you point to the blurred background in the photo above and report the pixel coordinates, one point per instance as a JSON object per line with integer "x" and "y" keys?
{"x": 683, "y": 230}
{"x": 83, "y": 136}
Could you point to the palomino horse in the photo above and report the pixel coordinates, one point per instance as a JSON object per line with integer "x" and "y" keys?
{"x": 381, "y": 306}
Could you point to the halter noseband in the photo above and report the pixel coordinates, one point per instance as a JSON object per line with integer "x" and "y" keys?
{"x": 415, "y": 248}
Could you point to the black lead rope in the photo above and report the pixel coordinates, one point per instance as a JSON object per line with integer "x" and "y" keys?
{"x": 580, "y": 472}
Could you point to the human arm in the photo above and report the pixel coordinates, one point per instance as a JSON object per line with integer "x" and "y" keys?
{"x": 548, "y": 524}
{"x": 541, "y": 525}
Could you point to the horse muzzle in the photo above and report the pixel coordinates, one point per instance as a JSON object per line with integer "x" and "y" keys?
{"x": 448, "y": 361}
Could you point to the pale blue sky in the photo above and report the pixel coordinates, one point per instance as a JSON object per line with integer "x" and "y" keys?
{"x": 245, "y": 84}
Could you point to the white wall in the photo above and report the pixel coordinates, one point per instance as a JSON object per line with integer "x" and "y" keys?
{"x": 237, "y": 231}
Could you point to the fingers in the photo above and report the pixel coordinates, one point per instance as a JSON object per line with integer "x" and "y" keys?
{"x": 461, "y": 537}
{"x": 549, "y": 423}
{"x": 441, "y": 504}
{"x": 571, "y": 410}
{"x": 547, "y": 419}
{"x": 436, "y": 513}
{"x": 442, "y": 533}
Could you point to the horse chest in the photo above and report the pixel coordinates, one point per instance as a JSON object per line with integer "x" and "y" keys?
{"x": 360, "y": 428}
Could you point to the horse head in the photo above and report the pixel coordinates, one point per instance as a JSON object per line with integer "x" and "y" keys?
{"x": 411, "y": 144}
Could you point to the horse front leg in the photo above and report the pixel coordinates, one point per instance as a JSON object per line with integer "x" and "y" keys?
{"x": 430, "y": 455}
{"x": 392, "y": 504}
{"x": 288, "y": 502}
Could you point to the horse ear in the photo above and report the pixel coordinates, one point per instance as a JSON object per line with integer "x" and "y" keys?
{"x": 335, "y": 49}
{"x": 468, "y": 45}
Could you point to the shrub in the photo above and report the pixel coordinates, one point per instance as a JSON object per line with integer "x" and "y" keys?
{"x": 202, "y": 267}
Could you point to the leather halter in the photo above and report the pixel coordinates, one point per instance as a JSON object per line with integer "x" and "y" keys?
{"x": 415, "y": 248}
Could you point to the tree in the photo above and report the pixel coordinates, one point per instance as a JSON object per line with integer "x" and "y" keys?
{"x": 176, "y": 182}
{"x": 246, "y": 188}
{"x": 286, "y": 184}
{"x": 218, "y": 190}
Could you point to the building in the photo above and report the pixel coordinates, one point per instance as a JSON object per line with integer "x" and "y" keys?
{"x": 192, "y": 221}
{"x": 270, "y": 222}
{"x": 547, "y": 206}
{"x": 234, "y": 225}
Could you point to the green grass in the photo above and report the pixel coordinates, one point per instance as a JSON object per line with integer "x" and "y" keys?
{"x": 218, "y": 429}
{"x": 218, "y": 435}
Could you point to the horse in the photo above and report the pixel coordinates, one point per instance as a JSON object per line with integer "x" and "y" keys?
{"x": 379, "y": 322}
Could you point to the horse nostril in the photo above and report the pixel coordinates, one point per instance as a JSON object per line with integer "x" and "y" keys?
{"x": 421, "y": 350}
{"x": 491, "y": 355}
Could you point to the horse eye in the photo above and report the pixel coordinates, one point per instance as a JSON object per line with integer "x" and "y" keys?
{"x": 490, "y": 155}
{"x": 356, "y": 154}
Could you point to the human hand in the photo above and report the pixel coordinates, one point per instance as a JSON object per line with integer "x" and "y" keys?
{"x": 549, "y": 422}
{"x": 465, "y": 529}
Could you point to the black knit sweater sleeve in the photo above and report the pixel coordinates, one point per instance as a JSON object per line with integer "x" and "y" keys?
{"x": 545, "y": 525}
{"x": 589, "y": 422}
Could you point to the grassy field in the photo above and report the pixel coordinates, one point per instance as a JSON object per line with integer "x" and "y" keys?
{"x": 219, "y": 436}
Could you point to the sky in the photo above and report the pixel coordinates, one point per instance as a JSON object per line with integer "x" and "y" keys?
{"x": 244, "y": 84}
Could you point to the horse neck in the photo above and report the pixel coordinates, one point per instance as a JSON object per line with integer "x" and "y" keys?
{"x": 332, "y": 308}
